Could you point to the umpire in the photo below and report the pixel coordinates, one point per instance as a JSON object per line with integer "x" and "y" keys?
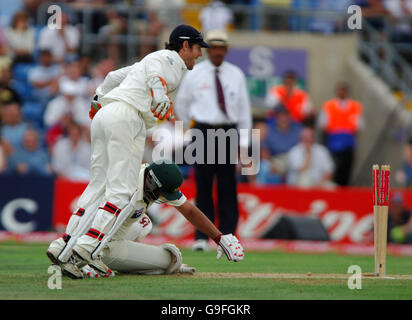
{"x": 214, "y": 96}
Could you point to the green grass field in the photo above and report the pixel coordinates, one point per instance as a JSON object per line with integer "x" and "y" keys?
{"x": 23, "y": 275}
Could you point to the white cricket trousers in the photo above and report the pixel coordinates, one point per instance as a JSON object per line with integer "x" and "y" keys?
{"x": 118, "y": 136}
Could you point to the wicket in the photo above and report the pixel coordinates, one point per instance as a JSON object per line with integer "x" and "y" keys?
{"x": 381, "y": 181}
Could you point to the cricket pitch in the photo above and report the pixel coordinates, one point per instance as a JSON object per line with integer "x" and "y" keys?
{"x": 308, "y": 275}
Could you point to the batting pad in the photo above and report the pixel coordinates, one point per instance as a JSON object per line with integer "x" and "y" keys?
{"x": 133, "y": 257}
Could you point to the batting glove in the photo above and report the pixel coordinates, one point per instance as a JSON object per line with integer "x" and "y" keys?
{"x": 230, "y": 246}
{"x": 162, "y": 106}
{"x": 94, "y": 107}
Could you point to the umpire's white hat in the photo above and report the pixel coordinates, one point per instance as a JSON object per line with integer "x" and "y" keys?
{"x": 217, "y": 38}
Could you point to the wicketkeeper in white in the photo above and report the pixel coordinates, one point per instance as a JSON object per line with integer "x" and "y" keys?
{"x": 126, "y": 104}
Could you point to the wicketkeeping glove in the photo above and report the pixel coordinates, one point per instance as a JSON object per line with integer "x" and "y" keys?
{"x": 162, "y": 106}
{"x": 231, "y": 246}
{"x": 94, "y": 107}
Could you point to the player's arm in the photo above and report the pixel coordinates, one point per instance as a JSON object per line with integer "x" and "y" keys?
{"x": 227, "y": 244}
{"x": 199, "y": 220}
{"x": 159, "y": 73}
{"x": 112, "y": 80}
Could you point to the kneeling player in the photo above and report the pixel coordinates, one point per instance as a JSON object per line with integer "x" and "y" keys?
{"x": 159, "y": 181}
{"x": 131, "y": 256}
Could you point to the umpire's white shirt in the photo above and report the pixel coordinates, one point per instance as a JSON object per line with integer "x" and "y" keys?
{"x": 129, "y": 84}
{"x": 197, "y": 99}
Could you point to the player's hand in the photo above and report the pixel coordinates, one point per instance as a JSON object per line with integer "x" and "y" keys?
{"x": 170, "y": 115}
{"x": 89, "y": 272}
{"x": 230, "y": 246}
{"x": 162, "y": 106}
{"x": 163, "y": 110}
{"x": 94, "y": 107}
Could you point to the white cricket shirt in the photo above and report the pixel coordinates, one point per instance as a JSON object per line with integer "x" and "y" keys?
{"x": 129, "y": 84}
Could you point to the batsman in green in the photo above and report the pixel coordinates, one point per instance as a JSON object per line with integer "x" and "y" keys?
{"x": 120, "y": 249}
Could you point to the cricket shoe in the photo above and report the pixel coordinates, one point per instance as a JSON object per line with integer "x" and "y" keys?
{"x": 69, "y": 268}
{"x": 97, "y": 264}
{"x": 200, "y": 245}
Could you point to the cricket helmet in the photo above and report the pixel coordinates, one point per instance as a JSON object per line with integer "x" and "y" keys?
{"x": 167, "y": 177}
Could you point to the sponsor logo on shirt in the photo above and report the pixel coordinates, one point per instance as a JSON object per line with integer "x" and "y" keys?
{"x": 170, "y": 60}
{"x": 137, "y": 213}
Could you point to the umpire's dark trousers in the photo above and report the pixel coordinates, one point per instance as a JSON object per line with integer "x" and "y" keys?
{"x": 225, "y": 176}
{"x": 343, "y": 162}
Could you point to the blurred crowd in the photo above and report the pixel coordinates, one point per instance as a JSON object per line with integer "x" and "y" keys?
{"x": 45, "y": 91}
{"x": 393, "y": 16}
{"x": 305, "y": 146}
{"x": 47, "y": 82}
